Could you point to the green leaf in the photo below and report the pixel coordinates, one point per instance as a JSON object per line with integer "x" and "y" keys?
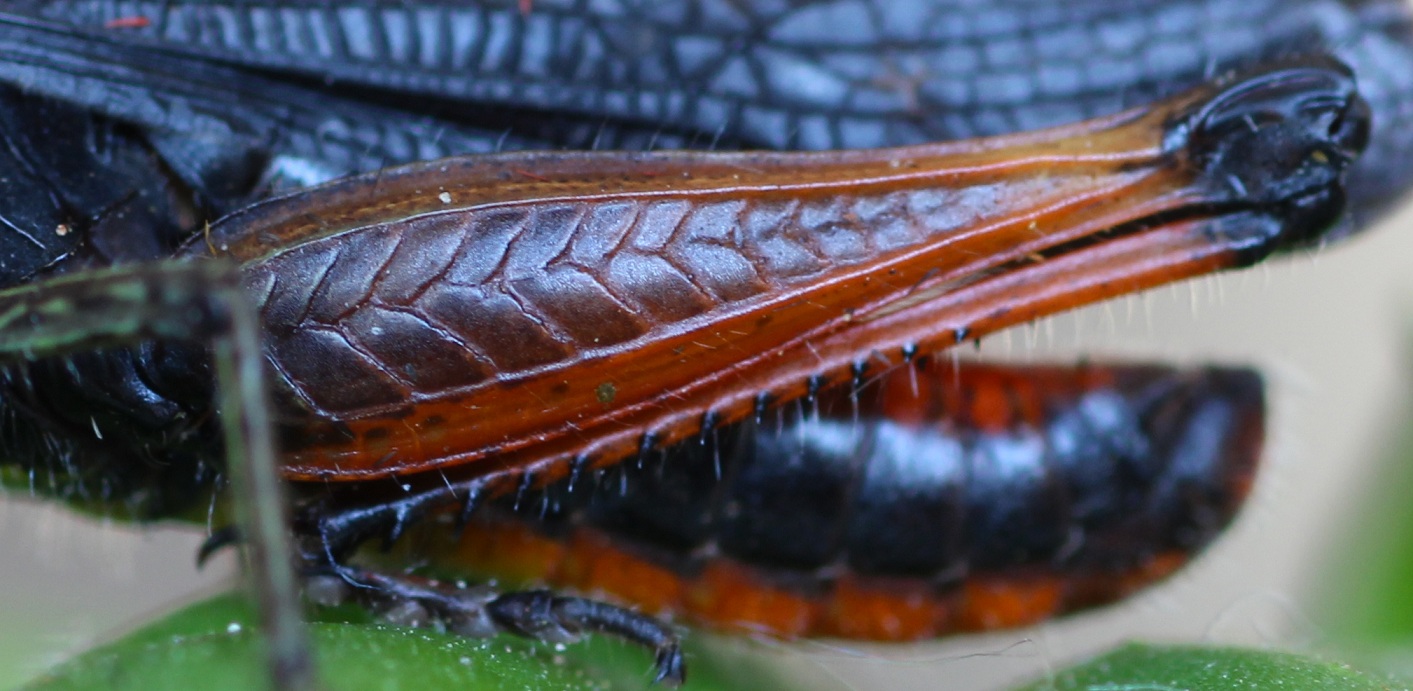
{"x": 1191, "y": 668}
{"x": 212, "y": 645}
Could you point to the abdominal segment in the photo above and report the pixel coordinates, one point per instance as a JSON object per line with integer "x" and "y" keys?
{"x": 934, "y": 499}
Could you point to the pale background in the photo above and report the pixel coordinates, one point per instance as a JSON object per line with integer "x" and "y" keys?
{"x": 1329, "y": 329}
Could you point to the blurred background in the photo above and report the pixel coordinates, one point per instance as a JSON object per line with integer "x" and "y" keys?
{"x": 1330, "y": 329}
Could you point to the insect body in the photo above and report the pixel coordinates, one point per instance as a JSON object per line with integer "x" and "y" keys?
{"x": 562, "y": 312}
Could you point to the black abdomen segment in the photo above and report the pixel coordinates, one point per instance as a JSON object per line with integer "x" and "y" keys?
{"x": 932, "y": 489}
{"x": 982, "y": 483}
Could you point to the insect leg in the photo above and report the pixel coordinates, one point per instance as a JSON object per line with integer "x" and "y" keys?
{"x": 482, "y": 612}
{"x": 538, "y": 612}
{"x": 186, "y": 300}
{"x": 334, "y": 533}
{"x": 330, "y": 534}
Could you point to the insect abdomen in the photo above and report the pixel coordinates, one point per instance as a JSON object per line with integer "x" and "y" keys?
{"x": 988, "y": 499}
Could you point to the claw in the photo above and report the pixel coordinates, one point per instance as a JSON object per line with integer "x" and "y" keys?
{"x": 671, "y": 668}
{"x": 221, "y": 538}
{"x": 400, "y": 521}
